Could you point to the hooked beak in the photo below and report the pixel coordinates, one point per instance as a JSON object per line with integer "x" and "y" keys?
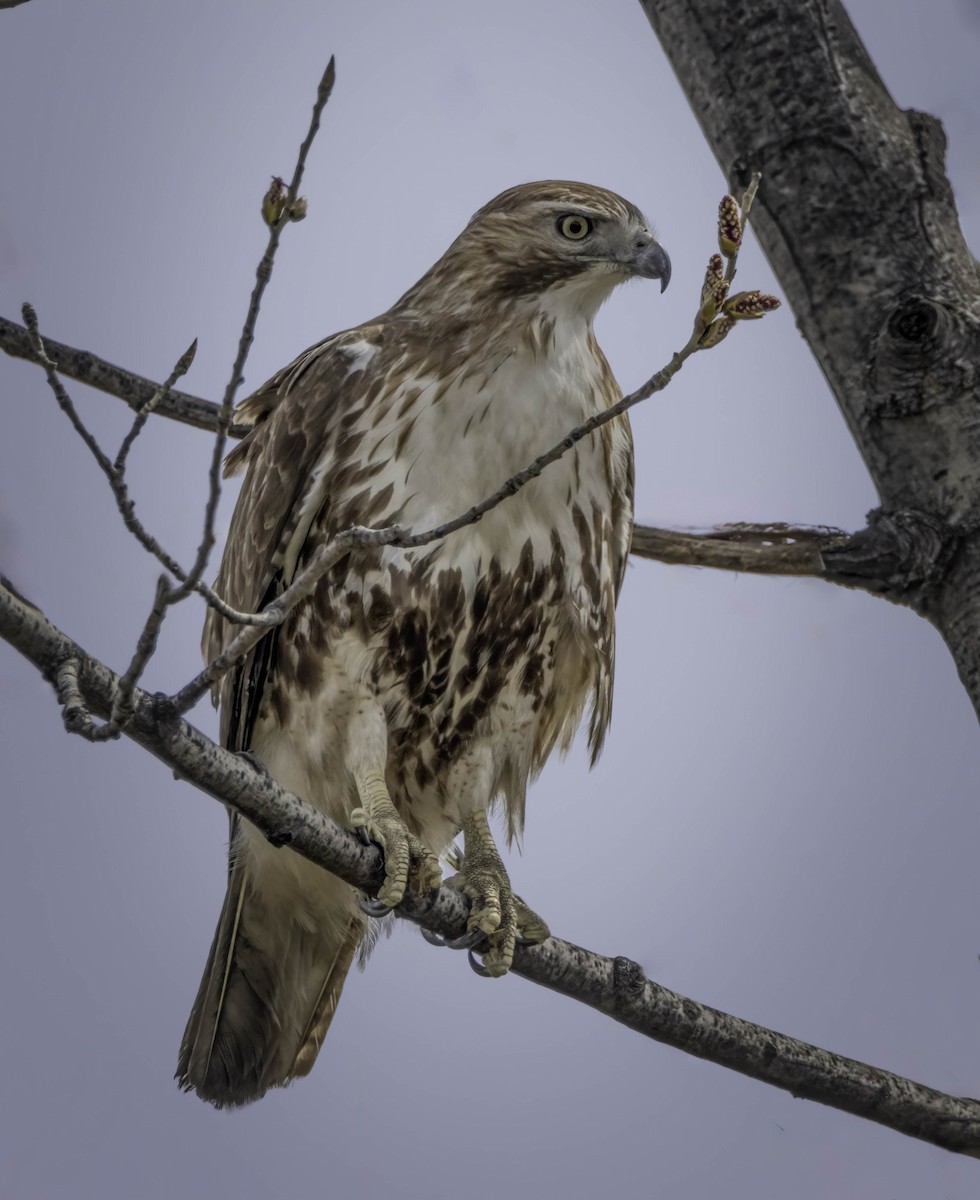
{"x": 652, "y": 262}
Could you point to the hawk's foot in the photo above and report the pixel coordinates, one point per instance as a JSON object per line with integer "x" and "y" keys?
{"x": 371, "y": 907}
{"x": 496, "y": 912}
{"x": 408, "y": 863}
{"x": 532, "y": 929}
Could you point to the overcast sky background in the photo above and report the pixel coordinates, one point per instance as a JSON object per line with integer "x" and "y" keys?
{"x": 784, "y": 823}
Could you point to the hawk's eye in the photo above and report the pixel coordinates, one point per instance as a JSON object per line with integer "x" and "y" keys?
{"x": 575, "y": 227}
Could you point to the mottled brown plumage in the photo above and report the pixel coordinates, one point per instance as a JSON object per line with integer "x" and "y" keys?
{"x": 440, "y": 677}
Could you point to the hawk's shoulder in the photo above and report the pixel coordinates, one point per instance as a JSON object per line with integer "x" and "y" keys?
{"x": 286, "y": 457}
{"x": 318, "y": 379}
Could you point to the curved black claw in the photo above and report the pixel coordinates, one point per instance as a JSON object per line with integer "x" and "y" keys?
{"x": 434, "y": 939}
{"x": 373, "y": 907}
{"x": 468, "y": 941}
{"x": 523, "y": 941}
{"x": 477, "y": 965}
{"x": 362, "y": 834}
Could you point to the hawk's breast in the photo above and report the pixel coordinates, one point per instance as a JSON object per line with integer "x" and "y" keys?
{"x": 503, "y": 630}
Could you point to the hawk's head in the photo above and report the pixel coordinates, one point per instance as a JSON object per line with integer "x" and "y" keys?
{"x": 537, "y": 238}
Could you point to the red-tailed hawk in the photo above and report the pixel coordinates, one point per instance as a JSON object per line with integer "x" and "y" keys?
{"x": 418, "y": 688}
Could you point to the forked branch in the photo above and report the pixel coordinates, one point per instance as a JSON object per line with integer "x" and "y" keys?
{"x": 280, "y": 206}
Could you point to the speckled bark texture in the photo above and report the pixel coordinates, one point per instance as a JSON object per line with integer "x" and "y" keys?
{"x": 616, "y": 987}
{"x": 857, "y": 218}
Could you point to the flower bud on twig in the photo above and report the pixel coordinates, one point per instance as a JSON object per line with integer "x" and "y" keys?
{"x": 274, "y": 202}
{"x": 715, "y": 332}
{"x": 729, "y": 227}
{"x": 714, "y": 290}
{"x": 749, "y": 305}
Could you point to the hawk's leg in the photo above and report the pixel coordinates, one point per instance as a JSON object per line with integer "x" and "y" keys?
{"x": 407, "y": 861}
{"x": 495, "y": 910}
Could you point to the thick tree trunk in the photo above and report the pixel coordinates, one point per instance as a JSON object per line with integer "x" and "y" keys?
{"x": 856, "y": 216}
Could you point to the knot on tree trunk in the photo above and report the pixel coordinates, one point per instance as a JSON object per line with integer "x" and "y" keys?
{"x": 629, "y": 979}
{"x": 911, "y": 356}
{"x": 901, "y": 555}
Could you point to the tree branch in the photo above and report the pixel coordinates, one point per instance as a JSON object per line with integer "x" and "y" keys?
{"x": 115, "y": 471}
{"x": 285, "y": 208}
{"x": 776, "y": 548}
{"x": 616, "y": 987}
{"x": 279, "y": 207}
{"x": 132, "y": 389}
{"x": 857, "y": 219}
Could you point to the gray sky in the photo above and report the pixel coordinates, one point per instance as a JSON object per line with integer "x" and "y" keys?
{"x": 784, "y": 822}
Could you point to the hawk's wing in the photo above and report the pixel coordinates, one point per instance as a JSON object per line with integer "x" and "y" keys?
{"x": 287, "y": 457}
{"x": 260, "y": 1020}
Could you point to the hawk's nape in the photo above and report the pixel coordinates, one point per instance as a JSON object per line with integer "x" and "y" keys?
{"x": 418, "y": 688}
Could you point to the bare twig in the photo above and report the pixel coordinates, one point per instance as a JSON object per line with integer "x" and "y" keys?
{"x": 75, "y": 711}
{"x": 116, "y": 480}
{"x": 258, "y": 625}
{"x": 616, "y": 987}
{"x": 286, "y": 206}
{"x": 122, "y": 704}
{"x": 119, "y": 490}
{"x": 181, "y": 368}
{"x": 289, "y": 211}
{"x": 165, "y": 594}
{"x": 64, "y": 400}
